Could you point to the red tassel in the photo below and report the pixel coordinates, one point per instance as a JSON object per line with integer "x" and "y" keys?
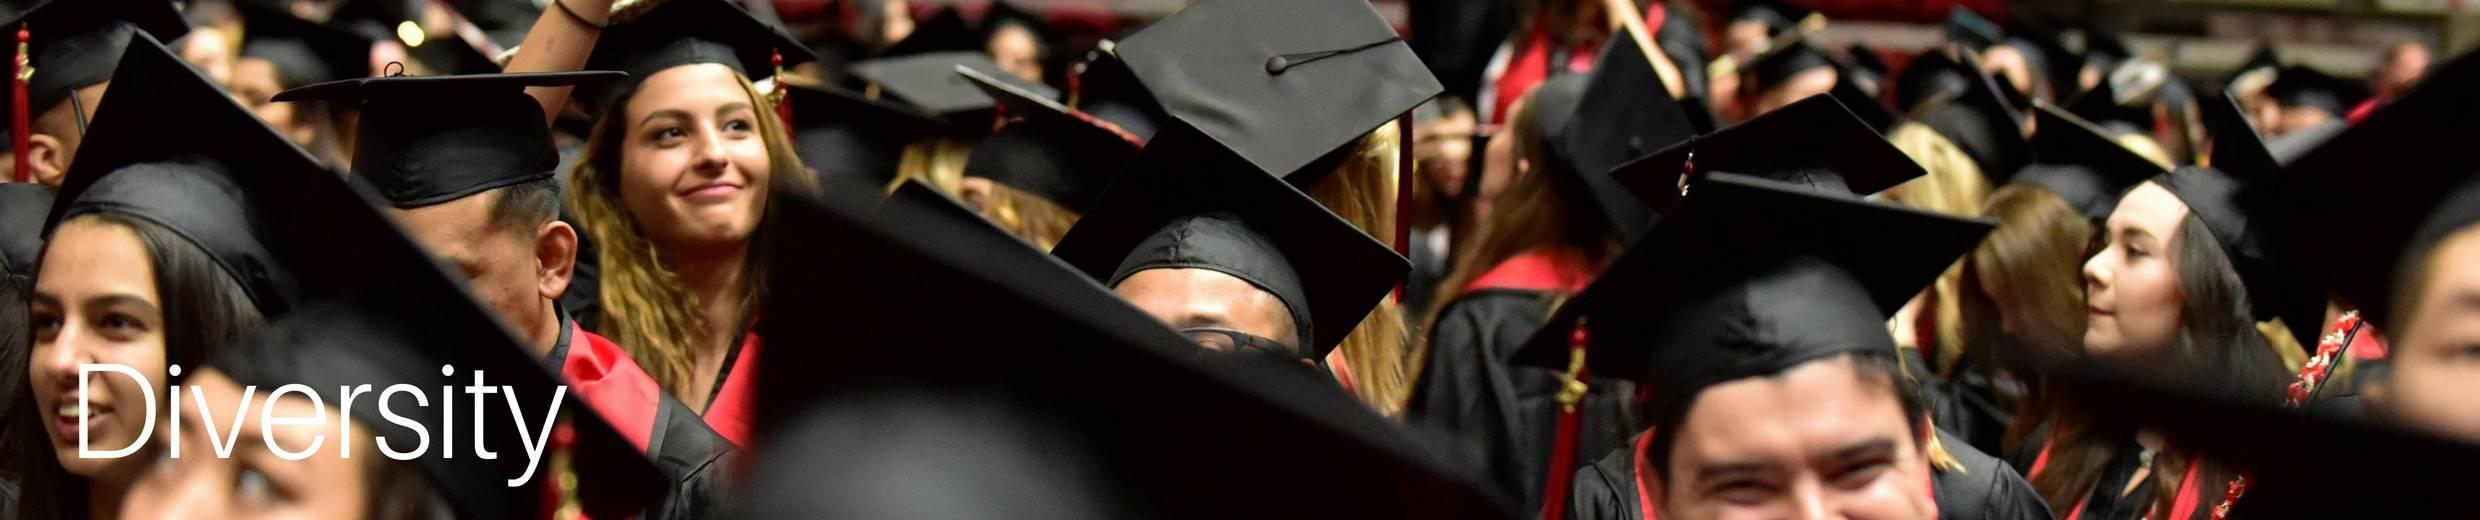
{"x": 19, "y": 134}
{"x": 1563, "y": 440}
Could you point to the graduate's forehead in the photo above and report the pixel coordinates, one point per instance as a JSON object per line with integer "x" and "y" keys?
{"x": 1810, "y": 410}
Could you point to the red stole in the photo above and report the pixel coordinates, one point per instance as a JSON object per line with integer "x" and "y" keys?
{"x": 728, "y": 411}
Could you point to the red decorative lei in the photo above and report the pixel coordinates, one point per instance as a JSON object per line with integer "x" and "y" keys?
{"x": 2311, "y": 375}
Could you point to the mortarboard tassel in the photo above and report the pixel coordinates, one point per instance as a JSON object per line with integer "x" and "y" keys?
{"x": 19, "y": 142}
{"x": 1563, "y": 442}
{"x": 560, "y": 493}
{"x": 783, "y": 102}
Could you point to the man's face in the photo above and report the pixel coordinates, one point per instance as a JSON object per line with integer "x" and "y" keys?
{"x": 1203, "y": 298}
{"x": 2438, "y": 352}
{"x": 498, "y": 263}
{"x": 1817, "y": 441}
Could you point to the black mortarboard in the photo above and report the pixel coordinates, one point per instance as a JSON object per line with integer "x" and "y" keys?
{"x": 1971, "y": 30}
{"x": 1748, "y": 278}
{"x": 930, "y": 82}
{"x": 2081, "y": 164}
{"x": 505, "y": 21}
{"x": 2123, "y": 101}
{"x": 2349, "y": 467}
{"x": 1785, "y": 57}
{"x": 76, "y": 43}
{"x": 685, "y": 32}
{"x": 304, "y": 52}
{"x": 2273, "y": 291}
{"x": 2237, "y": 148}
{"x": 2406, "y": 183}
{"x": 1281, "y": 82}
{"x": 1930, "y": 75}
{"x": 170, "y": 148}
{"x": 1981, "y": 121}
{"x": 1103, "y": 86}
{"x": 848, "y": 137}
{"x": 23, "y": 207}
{"x": 2298, "y": 86}
{"x": 1051, "y": 358}
{"x": 453, "y": 54}
{"x": 432, "y": 139}
{"x": 1186, "y": 201}
{"x": 1619, "y": 114}
{"x": 1870, "y": 109}
{"x": 1814, "y": 142}
{"x": 2103, "y": 47}
{"x": 1061, "y": 155}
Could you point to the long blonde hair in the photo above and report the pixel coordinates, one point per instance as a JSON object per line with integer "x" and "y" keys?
{"x": 1030, "y": 217}
{"x": 1362, "y": 190}
{"x": 1954, "y": 185}
{"x": 938, "y": 162}
{"x": 646, "y": 308}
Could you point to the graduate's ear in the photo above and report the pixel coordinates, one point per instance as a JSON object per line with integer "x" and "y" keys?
{"x": 555, "y": 258}
{"x": 49, "y": 157}
{"x": 975, "y": 192}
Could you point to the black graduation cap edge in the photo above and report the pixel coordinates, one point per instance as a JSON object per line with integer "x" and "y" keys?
{"x": 644, "y": 41}
{"x": 2081, "y": 164}
{"x": 1834, "y": 143}
{"x": 1052, "y": 335}
{"x": 430, "y": 139}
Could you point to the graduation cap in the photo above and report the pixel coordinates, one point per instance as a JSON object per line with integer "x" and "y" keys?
{"x": 2298, "y": 464}
{"x": 686, "y": 32}
{"x": 454, "y": 54}
{"x": 1003, "y": 15}
{"x": 1787, "y": 56}
{"x": 2237, "y": 148}
{"x": 931, "y": 83}
{"x": 1971, "y": 30}
{"x": 1061, "y": 155}
{"x": 1103, "y": 86}
{"x": 1860, "y": 86}
{"x": 865, "y": 420}
{"x": 75, "y": 43}
{"x": 170, "y": 148}
{"x": 1617, "y": 113}
{"x": 1281, "y": 82}
{"x": 432, "y": 139}
{"x": 1982, "y": 122}
{"x": 2081, "y": 164}
{"x": 1930, "y": 75}
{"x": 1835, "y": 152}
{"x": 2298, "y": 86}
{"x": 2406, "y": 184}
{"x": 303, "y": 52}
{"x": 23, "y": 207}
{"x": 1186, "y": 201}
{"x": 2123, "y": 101}
{"x": 1750, "y": 277}
{"x": 505, "y": 21}
{"x": 848, "y": 137}
{"x": 2273, "y": 292}
{"x": 2104, "y": 49}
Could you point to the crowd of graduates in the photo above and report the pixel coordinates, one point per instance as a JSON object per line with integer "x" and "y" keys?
{"x": 1559, "y": 259}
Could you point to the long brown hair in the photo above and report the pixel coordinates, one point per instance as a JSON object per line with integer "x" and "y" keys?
{"x": 2028, "y": 272}
{"x": 2218, "y": 345}
{"x": 1361, "y": 189}
{"x": 646, "y": 309}
{"x": 1953, "y": 185}
{"x": 1539, "y": 210}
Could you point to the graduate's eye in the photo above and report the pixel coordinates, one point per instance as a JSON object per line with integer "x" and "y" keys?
{"x": 120, "y": 326}
{"x": 1742, "y": 491}
{"x": 2467, "y": 353}
{"x": 1862, "y": 473}
{"x": 45, "y": 324}
{"x": 669, "y": 134}
{"x": 739, "y": 125}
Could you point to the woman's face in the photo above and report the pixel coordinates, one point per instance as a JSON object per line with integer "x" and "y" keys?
{"x": 95, "y": 304}
{"x": 255, "y": 481}
{"x": 255, "y": 82}
{"x": 2437, "y": 352}
{"x": 693, "y": 166}
{"x": 2132, "y": 284}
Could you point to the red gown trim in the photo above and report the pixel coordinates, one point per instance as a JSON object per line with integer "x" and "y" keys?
{"x": 603, "y": 375}
{"x": 729, "y": 413}
{"x": 1644, "y": 493}
{"x": 1546, "y": 270}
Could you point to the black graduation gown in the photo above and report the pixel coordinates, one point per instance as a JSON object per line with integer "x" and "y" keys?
{"x": 1986, "y": 488}
{"x": 1968, "y": 406}
{"x": 1470, "y": 390}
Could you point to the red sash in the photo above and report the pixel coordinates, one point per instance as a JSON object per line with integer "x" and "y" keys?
{"x": 729, "y": 412}
{"x": 612, "y": 384}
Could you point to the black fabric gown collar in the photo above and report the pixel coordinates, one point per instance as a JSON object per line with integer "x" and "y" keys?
{"x": 558, "y": 359}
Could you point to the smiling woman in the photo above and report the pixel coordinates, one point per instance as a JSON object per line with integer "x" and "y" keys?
{"x": 115, "y": 289}
{"x": 675, "y": 188}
